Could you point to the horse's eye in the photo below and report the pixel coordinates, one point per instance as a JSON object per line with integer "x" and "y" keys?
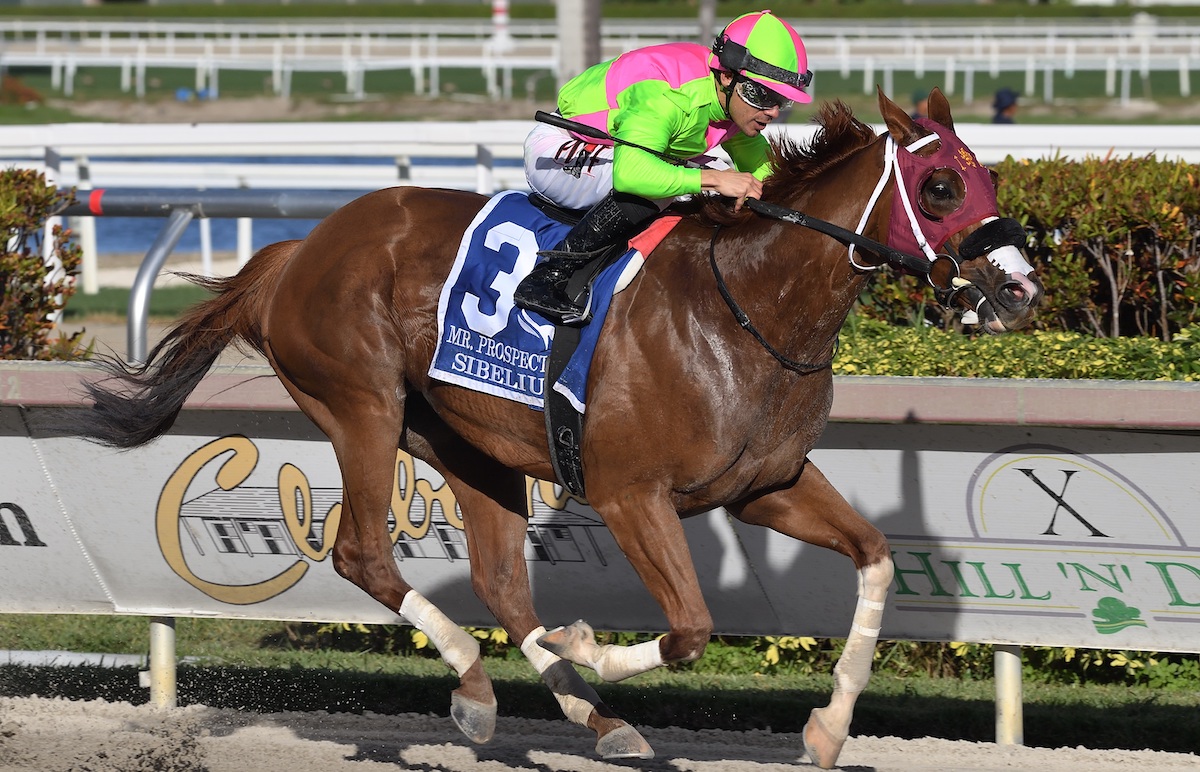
{"x": 941, "y": 192}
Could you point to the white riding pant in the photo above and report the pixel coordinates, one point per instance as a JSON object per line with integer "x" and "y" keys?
{"x": 576, "y": 174}
{"x": 570, "y": 172}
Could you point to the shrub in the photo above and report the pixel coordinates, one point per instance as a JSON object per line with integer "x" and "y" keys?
{"x": 14, "y": 92}
{"x": 35, "y": 289}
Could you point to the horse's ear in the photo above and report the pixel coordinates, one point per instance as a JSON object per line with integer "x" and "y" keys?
{"x": 900, "y": 125}
{"x": 939, "y": 108}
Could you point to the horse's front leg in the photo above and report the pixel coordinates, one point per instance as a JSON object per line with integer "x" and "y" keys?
{"x": 812, "y": 511}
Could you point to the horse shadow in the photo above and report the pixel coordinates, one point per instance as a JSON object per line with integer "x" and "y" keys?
{"x": 812, "y": 589}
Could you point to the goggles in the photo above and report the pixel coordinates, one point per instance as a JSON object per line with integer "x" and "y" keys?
{"x": 759, "y": 96}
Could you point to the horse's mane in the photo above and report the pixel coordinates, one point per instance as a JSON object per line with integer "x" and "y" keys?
{"x": 797, "y": 164}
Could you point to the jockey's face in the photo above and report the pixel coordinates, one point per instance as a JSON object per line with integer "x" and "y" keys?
{"x": 749, "y": 118}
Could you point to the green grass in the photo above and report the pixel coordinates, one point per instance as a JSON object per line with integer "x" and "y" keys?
{"x": 261, "y": 666}
{"x": 36, "y": 115}
{"x": 167, "y": 302}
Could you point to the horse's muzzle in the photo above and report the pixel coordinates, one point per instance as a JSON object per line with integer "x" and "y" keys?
{"x": 1016, "y": 293}
{"x": 1013, "y": 299}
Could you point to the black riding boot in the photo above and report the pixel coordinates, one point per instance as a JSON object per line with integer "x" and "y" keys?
{"x": 611, "y": 220}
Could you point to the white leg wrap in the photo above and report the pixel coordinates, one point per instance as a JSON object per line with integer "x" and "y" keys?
{"x": 458, "y": 649}
{"x": 616, "y": 663}
{"x": 575, "y": 697}
{"x": 853, "y": 669}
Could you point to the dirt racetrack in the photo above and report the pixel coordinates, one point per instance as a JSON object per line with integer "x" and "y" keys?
{"x": 55, "y": 735}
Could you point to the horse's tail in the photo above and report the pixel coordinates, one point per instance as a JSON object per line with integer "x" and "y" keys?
{"x": 140, "y": 402}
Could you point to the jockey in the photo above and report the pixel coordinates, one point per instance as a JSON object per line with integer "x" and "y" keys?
{"x": 679, "y": 99}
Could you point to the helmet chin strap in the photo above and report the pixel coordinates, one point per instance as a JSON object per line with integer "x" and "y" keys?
{"x": 726, "y": 90}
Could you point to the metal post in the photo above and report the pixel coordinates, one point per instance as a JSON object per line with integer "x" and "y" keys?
{"x": 1010, "y": 721}
{"x": 180, "y": 207}
{"x": 707, "y": 22}
{"x": 143, "y": 283}
{"x": 163, "y": 693}
{"x": 484, "y": 163}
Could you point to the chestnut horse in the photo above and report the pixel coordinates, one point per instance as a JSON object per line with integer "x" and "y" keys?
{"x": 347, "y": 318}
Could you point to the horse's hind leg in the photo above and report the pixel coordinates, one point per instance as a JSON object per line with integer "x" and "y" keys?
{"x": 814, "y": 512}
{"x": 493, "y": 500}
{"x": 365, "y": 429}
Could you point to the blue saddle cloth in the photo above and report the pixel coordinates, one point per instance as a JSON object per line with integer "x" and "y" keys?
{"x": 486, "y": 343}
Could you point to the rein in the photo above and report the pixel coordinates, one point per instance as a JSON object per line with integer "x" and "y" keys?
{"x": 894, "y": 257}
{"x": 744, "y": 320}
{"x": 950, "y": 288}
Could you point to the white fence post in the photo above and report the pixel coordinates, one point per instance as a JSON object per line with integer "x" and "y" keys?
{"x": 163, "y": 687}
{"x": 245, "y": 243}
{"x": 86, "y": 228}
{"x": 1010, "y": 729}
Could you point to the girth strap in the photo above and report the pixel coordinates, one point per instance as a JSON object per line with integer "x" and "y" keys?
{"x": 564, "y": 424}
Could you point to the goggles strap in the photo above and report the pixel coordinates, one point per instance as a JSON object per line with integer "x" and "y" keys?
{"x": 736, "y": 57}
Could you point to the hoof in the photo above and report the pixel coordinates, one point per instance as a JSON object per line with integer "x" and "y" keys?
{"x": 565, "y": 641}
{"x": 477, "y": 720}
{"x": 624, "y": 743}
{"x": 822, "y": 747}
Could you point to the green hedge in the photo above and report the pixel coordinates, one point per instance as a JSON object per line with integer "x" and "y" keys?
{"x": 1116, "y": 241}
{"x": 872, "y": 347}
{"x": 34, "y": 289}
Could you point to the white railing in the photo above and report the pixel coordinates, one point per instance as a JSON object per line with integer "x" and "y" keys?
{"x": 954, "y": 51}
{"x": 484, "y": 156}
{"x": 475, "y": 155}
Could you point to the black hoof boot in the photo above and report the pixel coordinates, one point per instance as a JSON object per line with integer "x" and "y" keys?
{"x": 544, "y": 291}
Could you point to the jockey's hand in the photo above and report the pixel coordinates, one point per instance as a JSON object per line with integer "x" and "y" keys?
{"x": 729, "y": 182}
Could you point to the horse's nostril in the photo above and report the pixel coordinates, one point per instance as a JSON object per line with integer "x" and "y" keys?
{"x": 1013, "y": 295}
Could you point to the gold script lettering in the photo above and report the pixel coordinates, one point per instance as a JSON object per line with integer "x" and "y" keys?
{"x": 232, "y": 473}
{"x": 405, "y": 490}
{"x": 545, "y": 490}
{"x": 299, "y": 521}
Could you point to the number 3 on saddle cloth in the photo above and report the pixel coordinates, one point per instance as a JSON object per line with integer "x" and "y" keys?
{"x": 487, "y": 344}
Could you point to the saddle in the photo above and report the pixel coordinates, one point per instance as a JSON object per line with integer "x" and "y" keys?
{"x": 487, "y": 345}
